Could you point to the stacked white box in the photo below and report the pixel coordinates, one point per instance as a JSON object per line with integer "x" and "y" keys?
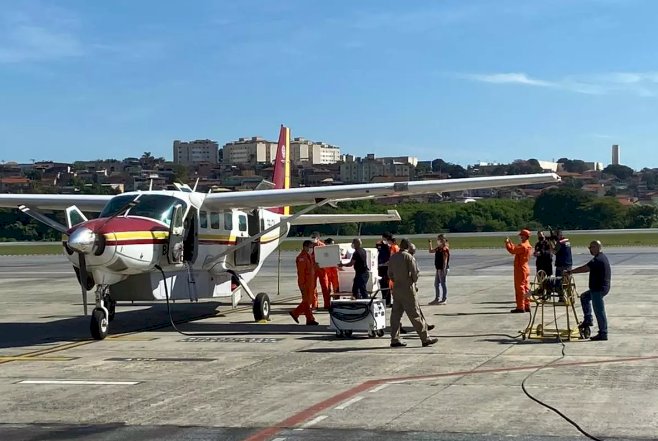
{"x": 346, "y": 274}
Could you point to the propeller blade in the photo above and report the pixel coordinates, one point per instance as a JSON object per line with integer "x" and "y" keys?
{"x": 43, "y": 219}
{"x": 83, "y": 279}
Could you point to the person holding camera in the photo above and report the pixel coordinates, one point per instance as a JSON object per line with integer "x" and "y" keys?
{"x": 521, "y": 254}
{"x": 563, "y": 259}
{"x": 543, "y": 254}
{"x": 441, "y": 257}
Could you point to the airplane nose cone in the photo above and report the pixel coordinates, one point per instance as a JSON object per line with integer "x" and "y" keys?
{"x": 82, "y": 240}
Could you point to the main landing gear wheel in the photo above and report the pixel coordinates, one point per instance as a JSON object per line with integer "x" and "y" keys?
{"x": 261, "y": 307}
{"x": 380, "y": 333}
{"x": 99, "y": 324}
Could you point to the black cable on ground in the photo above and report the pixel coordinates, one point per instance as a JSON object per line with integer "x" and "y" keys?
{"x": 541, "y": 403}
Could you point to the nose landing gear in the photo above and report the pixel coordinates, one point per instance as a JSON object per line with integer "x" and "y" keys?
{"x": 103, "y": 313}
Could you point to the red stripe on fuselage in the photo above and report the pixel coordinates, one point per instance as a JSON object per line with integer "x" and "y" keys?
{"x": 114, "y": 243}
{"x": 120, "y": 224}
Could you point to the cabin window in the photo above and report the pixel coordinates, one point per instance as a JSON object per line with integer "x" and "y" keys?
{"x": 214, "y": 221}
{"x": 203, "y": 219}
{"x": 242, "y": 222}
{"x": 228, "y": 221}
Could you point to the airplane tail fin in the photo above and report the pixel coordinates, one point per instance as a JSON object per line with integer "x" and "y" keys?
{"x": 281, "y": 177}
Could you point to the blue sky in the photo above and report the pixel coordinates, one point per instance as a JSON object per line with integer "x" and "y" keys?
{"x": 465, "y": 81}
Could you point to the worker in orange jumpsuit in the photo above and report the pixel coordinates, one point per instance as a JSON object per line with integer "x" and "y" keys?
{"x": 332, "y": 272}
{"x": 522, "y": 253}
{"x": 395, "y": 248}
{"x": 306, "y": 282}
{"x": 321, "y": 275}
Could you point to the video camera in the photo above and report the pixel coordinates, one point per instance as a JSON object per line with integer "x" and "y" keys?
{"x": 552, "y": 234}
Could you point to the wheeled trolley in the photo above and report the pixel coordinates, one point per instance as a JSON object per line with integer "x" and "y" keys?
{"x": 363, "y": 315}
{"x": 554, "y": 292}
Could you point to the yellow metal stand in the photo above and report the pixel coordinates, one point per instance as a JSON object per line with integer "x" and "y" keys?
{"x": 554, "y": 293}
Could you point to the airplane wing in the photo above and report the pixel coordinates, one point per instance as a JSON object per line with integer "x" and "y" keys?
{"x": 339, "y": 193}
{"x": 85, "y": 202}
{"x": 317, "y": 219}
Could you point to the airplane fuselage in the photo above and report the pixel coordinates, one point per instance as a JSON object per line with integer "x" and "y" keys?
{"x": 172, "y": 230}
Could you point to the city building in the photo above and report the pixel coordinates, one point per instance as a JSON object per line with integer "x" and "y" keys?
{"x": 615, "y": 154}
{"x": 252, "y": 151}
{"x": 363, "y": 170}
{"x": 305, "y": 151}
{"x": 195, "y": 152}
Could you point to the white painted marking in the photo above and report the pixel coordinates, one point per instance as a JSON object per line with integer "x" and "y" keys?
{"x": 348, "y": 403}
{"x": 314, "y": 421}
{"x": 80, "y": 382}
{"x": 279, "y": 439}
{"x": 380, "y": 387}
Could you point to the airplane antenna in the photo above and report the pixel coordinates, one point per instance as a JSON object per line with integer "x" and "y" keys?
{"x": 195, "y": 184}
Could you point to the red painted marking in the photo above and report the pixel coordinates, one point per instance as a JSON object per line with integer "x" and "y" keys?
{"x": 310, "y": 412}
{"x": 114, "y": 243}
{"x": 216, "y": 242}
{"x": 120, "y": 224}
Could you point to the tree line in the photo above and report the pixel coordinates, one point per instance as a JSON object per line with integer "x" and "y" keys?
{"x": 564, "y": 207}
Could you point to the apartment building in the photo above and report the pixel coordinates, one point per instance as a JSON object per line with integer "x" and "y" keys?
{"x": 363, "y": 170}
{"x": 310, "y": 152}
{"x": 195, "y": 152}
{"x": 252, "y": 151}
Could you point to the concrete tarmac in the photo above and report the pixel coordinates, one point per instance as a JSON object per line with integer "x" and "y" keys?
{"x": 239, "y": 380}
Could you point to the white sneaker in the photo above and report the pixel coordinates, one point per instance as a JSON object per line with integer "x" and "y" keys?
{"x": 442, "y": 302}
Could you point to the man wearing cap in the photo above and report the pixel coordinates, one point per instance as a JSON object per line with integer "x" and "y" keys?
{"x": 522, "y": 253}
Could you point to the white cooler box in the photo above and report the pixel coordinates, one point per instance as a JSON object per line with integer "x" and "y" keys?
{"x": 346, "y": 274}
{"x": 366, "y": 315}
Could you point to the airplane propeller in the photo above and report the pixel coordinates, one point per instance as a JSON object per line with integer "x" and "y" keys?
{"x": 77, "y": 245}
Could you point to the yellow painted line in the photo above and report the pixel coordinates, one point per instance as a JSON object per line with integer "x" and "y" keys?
{"x": 32, "y": 358}
{"x": 138, "y": 235}
{"x": 129, "y": 337}
{"x": 126, "y": 336}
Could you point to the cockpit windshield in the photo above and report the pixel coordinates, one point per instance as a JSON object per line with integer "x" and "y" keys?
{"x": 154, "y": 206}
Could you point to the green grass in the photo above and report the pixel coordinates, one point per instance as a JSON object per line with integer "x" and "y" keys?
{"x": 456, "y": 242}
{"x": 36, "y": 248}
{"x": 466, "y": 242}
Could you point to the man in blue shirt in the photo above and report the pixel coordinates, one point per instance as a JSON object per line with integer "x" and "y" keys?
{"x": 563, "y": 261}
{"x": 599, "y": 285}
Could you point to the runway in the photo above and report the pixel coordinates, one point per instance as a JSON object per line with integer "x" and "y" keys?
{"x": 282, "y": 381}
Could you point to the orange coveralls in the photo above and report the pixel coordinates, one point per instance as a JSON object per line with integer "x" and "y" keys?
{"x": 522, "y": 253}
{"x": 306, "y": 282}
{"x": 332, "y": 276}
{"x": 322, "y": 275}
{"x": 395, "y": 248}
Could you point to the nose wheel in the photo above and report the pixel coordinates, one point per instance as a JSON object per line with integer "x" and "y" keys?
{"x": 102, "y": 314}
{"x": 99, "y": 324}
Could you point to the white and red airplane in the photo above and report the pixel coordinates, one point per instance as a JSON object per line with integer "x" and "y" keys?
{"x": 167, "y": 245}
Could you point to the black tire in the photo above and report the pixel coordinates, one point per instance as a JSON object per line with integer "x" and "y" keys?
{"x": 99, "y": 324}
{"x": 380, "y": 333}
{"x": 261, "y": 307}
{"x": 348, "y": 333}
{"x": 111, "y": 309}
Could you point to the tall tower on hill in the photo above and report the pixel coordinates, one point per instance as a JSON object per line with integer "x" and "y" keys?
{"x": 615, "y": 154}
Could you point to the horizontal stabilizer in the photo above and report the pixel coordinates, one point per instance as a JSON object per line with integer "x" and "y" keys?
{"x": 318, "y": 219}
